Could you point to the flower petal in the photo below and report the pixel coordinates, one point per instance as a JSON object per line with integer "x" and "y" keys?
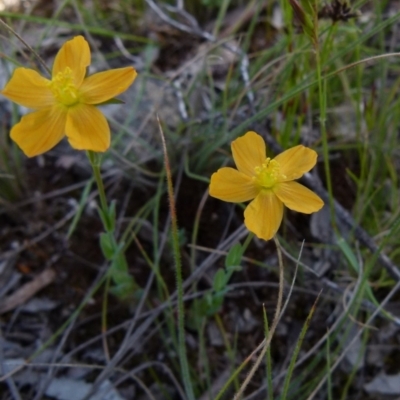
{"x": 248, "y": 152}
{"x": 298, "y": 198}
{"x": 74, "y": 54}
{"x": 295, "y": 162}
{"x": 27, "y": 88}
{"x": 39, "y": 131}
{"x": 87, "y": 128}
{"x": 263, "y": 215}
{"x": 228, "y": 184}
{"x": 105, "y": 85}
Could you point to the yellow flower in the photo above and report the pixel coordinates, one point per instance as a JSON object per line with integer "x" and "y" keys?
{"x": 270, "y": 182}
{"x": 65, "y": 105}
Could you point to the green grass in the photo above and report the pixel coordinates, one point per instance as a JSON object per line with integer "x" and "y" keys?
{"x": 337, "y": 95}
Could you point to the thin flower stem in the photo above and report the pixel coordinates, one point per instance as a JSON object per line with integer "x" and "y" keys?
{"x": 104, "y": 319}
{"x": 179, "y": 281}
{"x": 95, "y": 162}
{"x": 246, "y": 243}
{"x": 118, "y": 269}
{"x": 264, "y": 345}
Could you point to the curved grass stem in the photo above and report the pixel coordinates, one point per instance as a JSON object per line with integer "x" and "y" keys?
{"x": 322, "y": 107}
{"x": 264, "y": 345}
{"x": 178, "y": 272}
{"x": 266, "y": 342}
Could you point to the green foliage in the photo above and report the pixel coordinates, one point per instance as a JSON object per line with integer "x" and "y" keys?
{"x": 309, "y": 85}
{"x": 305, "y": 14}
{"x": 212, "y": 301}
{"x": 125, "y": 285}
{"x": 212, "y": 3}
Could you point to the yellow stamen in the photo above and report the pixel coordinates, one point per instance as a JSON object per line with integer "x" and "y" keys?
{"x": 267, "y": 175}
{"x": 63, "y": 87}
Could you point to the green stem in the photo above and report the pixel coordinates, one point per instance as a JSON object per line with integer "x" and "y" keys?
{"x": 179, "y": 281}
{"x": 264, "y": 345}
{"x": 112, "y": 250}
{"x": 322, "y": 105}
{"x": 246, "y": 243}
{"x": 95, "y": 162}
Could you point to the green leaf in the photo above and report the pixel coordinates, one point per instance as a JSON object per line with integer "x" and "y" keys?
{"x": 111, "y": 216}
{"x": 234, "y": 256}
{"x": 303, "y": 13}
{"x": 111, "y": 101}
{"x": 105, "y": 220}
{"x": 125, "y": 289}
{"x": 106, "y": 246}
{"x": 215, "y": 305}
{"x": 348, "y": 253}
{"x": 219, "y": 282}
{"x": 308, "y": 7}
{"x": 119, "y": 268}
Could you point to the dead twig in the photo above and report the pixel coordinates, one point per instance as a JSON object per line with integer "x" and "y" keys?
{"x": 27, "y": 291}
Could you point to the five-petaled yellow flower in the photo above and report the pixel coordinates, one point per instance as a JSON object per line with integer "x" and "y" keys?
{"x": 65, "y": 105}
{"x": 270, "y": 182}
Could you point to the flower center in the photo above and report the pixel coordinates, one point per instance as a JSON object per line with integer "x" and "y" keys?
{"x": 267, "y": 174}
{"x": 63, "y": 87}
